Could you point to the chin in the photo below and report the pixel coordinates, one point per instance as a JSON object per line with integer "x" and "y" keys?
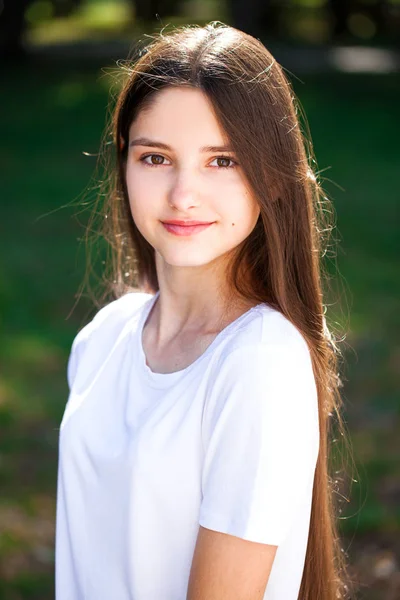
{"x": 186, "y": 259}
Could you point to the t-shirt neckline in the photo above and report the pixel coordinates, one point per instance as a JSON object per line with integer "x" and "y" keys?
{"x": 165, "y": 379}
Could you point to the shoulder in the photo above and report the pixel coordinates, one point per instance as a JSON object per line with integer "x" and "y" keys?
{"x": 265, "y": 334}
{"x": 265, "y": 371}
{"x": 268, "y": 358}
{"x": 104, "y": 326}
{"x": 121, "y": 309}
{"x": 112, "y": 314}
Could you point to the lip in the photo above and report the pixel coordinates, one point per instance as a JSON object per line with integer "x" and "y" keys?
{"x": 186, "y": 223}
{"x": 176, "y": 228}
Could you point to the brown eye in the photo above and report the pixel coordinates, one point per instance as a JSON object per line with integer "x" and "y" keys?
{"x": 223, "y": 162}
{"x": 156, "y": 160}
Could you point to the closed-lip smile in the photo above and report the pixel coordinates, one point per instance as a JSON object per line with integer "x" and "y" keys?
{"x": 186, "y": 223}
{"x": 186, "y": 228}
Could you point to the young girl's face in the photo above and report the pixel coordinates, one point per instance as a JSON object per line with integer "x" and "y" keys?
{"x": 172, "y": 173}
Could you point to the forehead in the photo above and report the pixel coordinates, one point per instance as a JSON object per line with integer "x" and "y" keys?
{"x": 179, "y": 112}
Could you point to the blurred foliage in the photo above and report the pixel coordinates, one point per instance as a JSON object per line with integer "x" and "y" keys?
{"x": 308, "y": 21}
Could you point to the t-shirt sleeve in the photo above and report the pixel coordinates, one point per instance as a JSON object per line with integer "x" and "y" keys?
{"x": 82, "y": 338}
{"x": 77, "y": 349}
{"x": 261, "y": 438}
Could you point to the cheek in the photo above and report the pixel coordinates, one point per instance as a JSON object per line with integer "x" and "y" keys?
{"x": 133, "y": 184}
{"x": 137, "y": 207}
{"x": 140, "y": 195}
{"x": 241, "y": 213}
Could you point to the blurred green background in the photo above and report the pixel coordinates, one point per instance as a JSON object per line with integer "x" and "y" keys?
{"x": 343, "y": 61}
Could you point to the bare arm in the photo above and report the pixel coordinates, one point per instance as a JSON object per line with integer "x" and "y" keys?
{"x": 226, "y": 567}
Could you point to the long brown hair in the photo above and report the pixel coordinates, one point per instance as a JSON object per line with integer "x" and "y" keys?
{"x": 281, "y": 262}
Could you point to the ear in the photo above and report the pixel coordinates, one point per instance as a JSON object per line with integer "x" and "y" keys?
{"x": 122, "y": 143}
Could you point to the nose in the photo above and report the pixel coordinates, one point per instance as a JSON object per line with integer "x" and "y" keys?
{"x": 184, "y": 193}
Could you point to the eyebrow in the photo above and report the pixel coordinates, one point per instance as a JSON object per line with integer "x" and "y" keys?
{"x": 142, "y": 141}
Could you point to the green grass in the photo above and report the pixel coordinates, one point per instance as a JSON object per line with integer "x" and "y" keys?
{"x": 52, "y": 115}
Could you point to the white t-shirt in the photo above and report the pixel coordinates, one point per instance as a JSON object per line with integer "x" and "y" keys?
{"x": 230, "y": 443}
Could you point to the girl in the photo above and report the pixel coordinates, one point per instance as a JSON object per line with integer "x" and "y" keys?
{"x": 194, "y": 444}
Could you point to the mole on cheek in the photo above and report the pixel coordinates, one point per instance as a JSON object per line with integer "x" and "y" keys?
{"x": 233, "y": 224}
